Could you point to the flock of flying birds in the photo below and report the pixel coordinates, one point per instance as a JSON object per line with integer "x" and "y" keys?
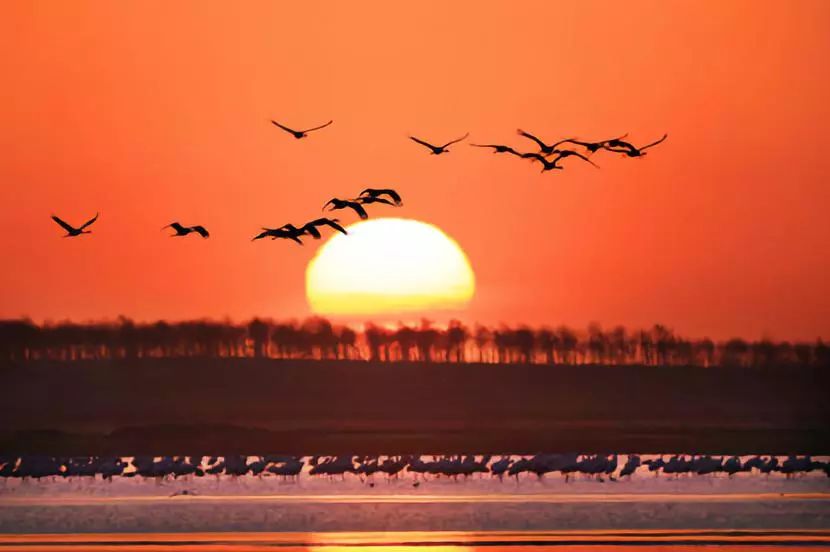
{"x": 549, "y": 155}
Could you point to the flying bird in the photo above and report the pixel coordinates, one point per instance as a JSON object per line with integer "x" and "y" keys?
{"x": 593, "y": 147}
{"x": 543, "y": 147}
{"x": 310, "y": 228}
{"x": 377, "y": 192}
{"x": 346, "y": 204}
{"x": 276, "y": 233}
{"x": 497, "y": 148}
{"x": 185, "y": 230}
{"x": 367, "y": 200}
{"x": 438, "y": 150}
{"x": 620, "y": 146}
{"x": 71, "y": 231}
{"x": 564, "y": 154}
{"x": 547, "y": 165}
{"x": 300, "y": 133}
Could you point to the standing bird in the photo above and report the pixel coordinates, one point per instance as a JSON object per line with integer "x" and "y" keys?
{"x": 620, "y": 146}
{"x": 497, "y": 148}
{"x": 543, "y": 147}
{"x": 300, "y": 133}
{"x": 377, "y": 192}
{"x": 275, "y": 233}
{"x": 71, "y": 231}
{"x": 185, "y": 230}
{"x": 346, "y": 204}
{"x": 438, "y": 150}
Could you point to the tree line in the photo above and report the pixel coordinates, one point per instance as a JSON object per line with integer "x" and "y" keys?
{"x": 319, "y": 338}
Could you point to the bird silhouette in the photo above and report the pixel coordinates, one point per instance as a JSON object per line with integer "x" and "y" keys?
{"x": 300, "y": 133}
{"x": 71, "y": 231}
{"x": 368, "y": 200}
{"x": 277, "y": 233}
{"x": 543, "y": 147}
{"x": 620, "y": 146}
{"x": 377, "y": 192}
{"x": 564, "y": 154}
{"x": 185, "y": 230}
{"x": 547, "y": 165}
{"x": 497, "y": 148}
{"x": 438, "y": 150}
{"x": 310, "y": 228}
{"x": 593, "y": 147}
{"x": 346, "y": 204}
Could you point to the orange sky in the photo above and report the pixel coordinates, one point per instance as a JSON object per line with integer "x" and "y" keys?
{"x": 158, "y": 111}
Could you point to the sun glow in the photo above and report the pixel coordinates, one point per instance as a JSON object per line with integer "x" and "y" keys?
{"x": 389, "y": 265}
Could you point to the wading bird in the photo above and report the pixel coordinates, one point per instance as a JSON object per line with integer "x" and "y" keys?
{"x": 276, "y": 233}
{"x": 71, "y": 231}
{"x": 543, "y": 147}
{"x": 619, "y": 146}
{"x": 346, "y": 204}
{"x": 438, "y": 150}
{"x": 377, "y": 192}
{"x": 300, "y": 133}
{"x": 185, "y": 230}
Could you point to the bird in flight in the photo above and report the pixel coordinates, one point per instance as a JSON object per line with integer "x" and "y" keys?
{"x": 547, "y": 165}
{"x": 564, "y": 154}
{"x": 276, "y": 233}
{"x": 300, "y": 133}
{"x": 346, "y": 204}
{"x": 438, "y": 150}
{"x": 620, "y": 146}
{"x": 593, "y": 147}
{"x": 310, "y": 228}
{"x": 497, "y": 148}
{"x": 71, "y": 231}
{"x": 378, "y": 192}
{"x": 367, "y": 200}
{"x": 185, "y": 230}
{"x": 544, "y": 149}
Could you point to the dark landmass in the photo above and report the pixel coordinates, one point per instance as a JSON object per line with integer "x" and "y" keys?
{"x": 258, "y": 406}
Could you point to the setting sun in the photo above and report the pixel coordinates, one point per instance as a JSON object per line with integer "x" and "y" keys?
{"x": 389, "y": 265}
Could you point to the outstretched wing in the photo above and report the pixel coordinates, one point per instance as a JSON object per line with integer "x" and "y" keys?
{"x": 373, "y": 199}
{"x": 318, "y": 127}
{"x": 285, "y": 128}
{"x": 532, "y": 137}
{"x": 427, "y": 144}
{"x": 654, "y": 143}
{"x": 358, "y": 208}
{"x": 329, "y": 202}
{"x": 396, "y": 197}
{"x": 333, "y": 224}
{"x": 311, "y": 230}
{"x": 571, "y": 153}
{"x": 451, "y": 142}
{"x": 264, "y": 234}
{"x": 292, "y": 237}
{"x": 201, "y": 230}
{"x": 65, "y": 225}
{"x": 568, "y": 140}
{"x": 90, "y": 221}
{"x": 535, "y": 157}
